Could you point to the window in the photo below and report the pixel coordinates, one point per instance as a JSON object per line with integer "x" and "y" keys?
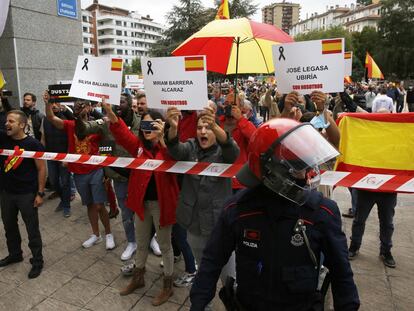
{"x": 85, "y": 51}
{"x": 125, "y": 33}
{"x": 85, "y": 40}
{"x": 119, "y": 42}
{"x": 85, "y": 29}
{"x": 125, "y": 24}
{"x": 119, "y": 33}
{"x": 126, "y": 52}
{"x": 118, "y": 23}
{"x": 119, "y": 52}
{"x": 85, "y": 19}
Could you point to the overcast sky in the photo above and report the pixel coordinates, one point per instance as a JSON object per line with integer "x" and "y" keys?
{"x": 158, "y": 8}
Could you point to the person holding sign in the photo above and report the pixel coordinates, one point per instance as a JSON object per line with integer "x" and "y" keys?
{"x": 151, "y": 195}
{"x": 89, "y": 179}
{"x": 202, "y": 197}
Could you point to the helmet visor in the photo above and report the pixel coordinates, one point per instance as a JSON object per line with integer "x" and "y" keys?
{"x": 305, "y": 148}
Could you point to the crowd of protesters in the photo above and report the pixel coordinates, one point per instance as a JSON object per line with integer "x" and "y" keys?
{"x": 172, "y": 215}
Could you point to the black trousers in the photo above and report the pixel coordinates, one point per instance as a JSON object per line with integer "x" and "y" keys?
{"x": 11, "y": 204}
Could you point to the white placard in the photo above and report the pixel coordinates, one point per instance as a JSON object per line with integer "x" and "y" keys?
{"x": 408, "y": 186}
{"x": 348, "y": 63}
{"x": 96, "y": 78}
{"x": 175, "y": 81}
{"x": 331, "y": 178}
{"x": 372, "y": 181}
{"x": 134, "y": 82}
{"x": 310, "y": 65}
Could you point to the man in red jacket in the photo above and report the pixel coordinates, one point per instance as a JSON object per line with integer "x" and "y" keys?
{"x": 239, "y": 128}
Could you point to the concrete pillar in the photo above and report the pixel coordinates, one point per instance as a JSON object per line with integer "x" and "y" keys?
{"x": 38, "y": 47}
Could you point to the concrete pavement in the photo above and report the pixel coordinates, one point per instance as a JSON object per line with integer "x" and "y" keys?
{"x": 89, "y": 279}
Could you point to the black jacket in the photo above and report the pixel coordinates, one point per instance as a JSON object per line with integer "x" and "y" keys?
{"x": 273, "y": 267}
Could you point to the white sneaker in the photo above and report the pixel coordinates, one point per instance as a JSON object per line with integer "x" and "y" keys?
{"x": 155, "y": 247}
{"x": 129, "y": 251}
{"x": 92, "y": 241}
{"x": 110, "y": 243}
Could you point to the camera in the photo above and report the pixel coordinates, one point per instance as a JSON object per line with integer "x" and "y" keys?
{"x": 227, "y": 111}
{"x": 147, "y": 126}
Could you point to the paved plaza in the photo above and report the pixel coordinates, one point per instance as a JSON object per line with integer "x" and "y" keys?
{"x": 89, "y": 279}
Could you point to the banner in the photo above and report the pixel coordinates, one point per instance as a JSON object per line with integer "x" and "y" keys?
{"x": 310, "y": 65}
{"x": 59, "y": 93}
{"x": 96, "y": 78}
{"x": 377, "y": 144}
{"x": 175, "y": 81}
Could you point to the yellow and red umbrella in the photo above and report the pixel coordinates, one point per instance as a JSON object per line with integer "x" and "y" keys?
{"x": 235, "y": 46}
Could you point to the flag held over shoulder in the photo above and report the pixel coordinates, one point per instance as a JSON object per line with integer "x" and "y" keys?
{"x": 194, "y": 63}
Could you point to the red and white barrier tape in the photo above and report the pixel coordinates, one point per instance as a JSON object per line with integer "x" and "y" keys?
{"x": 382, "y": 182}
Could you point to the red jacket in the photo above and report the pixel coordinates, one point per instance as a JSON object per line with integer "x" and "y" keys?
{"x": 167, "y": 187}
{"x": 187, "y": 127}
{"x": 241, "y": 134}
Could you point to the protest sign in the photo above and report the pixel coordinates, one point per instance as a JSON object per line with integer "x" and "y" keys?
{"x": 348, "y": 64}
{"x": 96, "y": 78}
{"x": 175, "y": 81}
{"x": 59, "y": 93}
{"x": 134, "y": 82}
{"x": 310, "y": 65}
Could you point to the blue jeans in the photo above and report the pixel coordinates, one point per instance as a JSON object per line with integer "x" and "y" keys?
{"x": 180, "y": 236}
{"x": 60, "y": 177}
{"x": 121, "y": 192}
{"x": 354, "y": 194}
{"x": 386, "y": 203}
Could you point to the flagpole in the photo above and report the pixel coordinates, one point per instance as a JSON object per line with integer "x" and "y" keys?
{"x": 237, "y": 68}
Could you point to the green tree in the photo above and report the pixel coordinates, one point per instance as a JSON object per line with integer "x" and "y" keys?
{"x": 242, "y": 8}
{"x": 396, "y": 28}
{"x": 134, "y": 68}
{"x": 183, "y": 20}
{"x": 364, "y": 2}
{"x": 333, "y": 32}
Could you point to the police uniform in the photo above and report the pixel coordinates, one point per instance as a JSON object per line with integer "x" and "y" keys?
{"x": 275, "y": 270}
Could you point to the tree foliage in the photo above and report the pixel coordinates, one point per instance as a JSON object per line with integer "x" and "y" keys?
{"x": 396, "y": 29}
{"x": 364, "y": 2}
{"x": 134, "y": 68}
{"x": 189, "y": 16}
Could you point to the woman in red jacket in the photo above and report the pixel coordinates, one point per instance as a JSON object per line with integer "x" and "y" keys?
{"x": 152, "y": 195}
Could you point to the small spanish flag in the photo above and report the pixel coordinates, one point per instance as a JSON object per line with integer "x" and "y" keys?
{"x": 116, "y": 64}
{"x": 348, "y": 80}
{"x": 373, "y": 70}
{"x": 347, "y": 55}
{"x": 223, "y": 10}
{"x": 194, "y": 63}
{"x": 332, "y": 46}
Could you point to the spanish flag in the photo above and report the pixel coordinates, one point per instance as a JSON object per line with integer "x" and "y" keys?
{"x": 116, "y": 64}
{"x": 373, "y": 69}
{"x": 347, "y": 55}
{"x": 332, "y": 46}
{"x": 194, "y": 63}
{"x": 2, "y": 81}
{"x": 223, "y": 10}
{"x": 377, "y": 143}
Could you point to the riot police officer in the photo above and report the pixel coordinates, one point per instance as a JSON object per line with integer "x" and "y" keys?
{"x": 279, "y": 227}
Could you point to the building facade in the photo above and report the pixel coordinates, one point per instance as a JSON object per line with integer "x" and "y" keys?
{"x": 111, "y": 31}
{"x": 40, "y": 45}
{"x": 353, "y": 18}
{"x": 282, "y": 15}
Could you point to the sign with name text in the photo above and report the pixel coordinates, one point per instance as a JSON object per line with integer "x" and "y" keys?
{"x": 134, "y": 82}
{"x": 309, "y": 66}
{"x": 67, "y": 8}
{"x": 175, "y": 81}
{"x": 96, "y": 78}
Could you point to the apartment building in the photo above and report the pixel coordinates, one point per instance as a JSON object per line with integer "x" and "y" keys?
{"x": 282, "y": 15}
{"x": 352, "y": 18}
{"x": 118, "y": 32}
